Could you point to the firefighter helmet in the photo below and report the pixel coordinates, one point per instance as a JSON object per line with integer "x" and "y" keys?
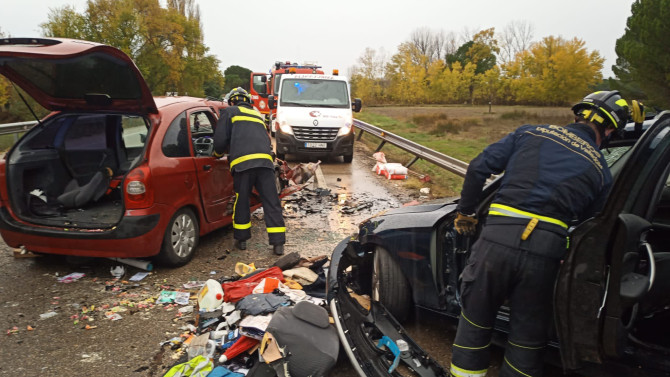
{"x": 604, "y": 108}
{"x": 238, "y": 94}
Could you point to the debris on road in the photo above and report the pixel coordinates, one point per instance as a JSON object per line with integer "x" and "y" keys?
{"x": 71, "y": 277}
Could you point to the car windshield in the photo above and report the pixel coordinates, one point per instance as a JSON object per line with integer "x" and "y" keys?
{"x": 314, "y": 92}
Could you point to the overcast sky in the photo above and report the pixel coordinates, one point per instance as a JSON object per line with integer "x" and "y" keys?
{"x": 334, "y": 34}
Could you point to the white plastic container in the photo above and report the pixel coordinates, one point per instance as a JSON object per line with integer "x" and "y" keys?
{"x": 210, "y": 295}
{"x": 207, "y": 351}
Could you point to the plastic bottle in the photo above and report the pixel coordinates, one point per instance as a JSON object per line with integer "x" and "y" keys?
{"x": 210, "y": 295}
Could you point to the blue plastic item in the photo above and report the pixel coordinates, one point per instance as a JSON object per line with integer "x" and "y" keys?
{"x": 386, "y": 341}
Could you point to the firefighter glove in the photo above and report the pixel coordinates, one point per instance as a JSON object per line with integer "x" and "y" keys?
{"x": 465, "y": 224}
{"x": 637, "y": 111}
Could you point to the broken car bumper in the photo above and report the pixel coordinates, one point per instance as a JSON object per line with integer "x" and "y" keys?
{"x": 374, "y": 341}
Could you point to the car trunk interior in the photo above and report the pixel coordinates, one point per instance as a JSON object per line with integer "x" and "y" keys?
{"x": 68, "y": 171}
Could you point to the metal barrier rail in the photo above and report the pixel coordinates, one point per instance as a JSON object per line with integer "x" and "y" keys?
{"x": 419, "y": 151}
{"x": 16, "y": 128}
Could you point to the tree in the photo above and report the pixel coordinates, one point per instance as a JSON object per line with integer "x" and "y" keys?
{"x": 643, "y": 51}
{"x": 166, "y": 44}
{"x": 553, "y": 71}
{"x": 236, "y": 76}
{"x": 407, "y": 75}
{"x": 367, "y": 76}
{"x": 515, "y": 38}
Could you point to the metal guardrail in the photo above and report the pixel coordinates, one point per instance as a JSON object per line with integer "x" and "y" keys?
{"x": 16, "y": 128}
{"x": 419, "y": 151}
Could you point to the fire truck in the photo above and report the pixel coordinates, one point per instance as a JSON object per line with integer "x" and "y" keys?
{"x": 263, "y": 84}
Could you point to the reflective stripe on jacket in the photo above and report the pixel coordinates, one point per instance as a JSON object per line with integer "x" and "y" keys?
{"x": 241, "y": 132}
{"x": 554, "y": 172}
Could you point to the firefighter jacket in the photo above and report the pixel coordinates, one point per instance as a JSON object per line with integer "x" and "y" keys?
{"x": 241, "y": 132}
{"x": 556, "y": 174}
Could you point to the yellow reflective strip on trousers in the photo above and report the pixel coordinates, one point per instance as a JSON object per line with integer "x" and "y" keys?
{"x": 528, "y": 348}
{"x": 474, "y": 324}
{"x": 503, "y": 210}
{"x": 460, "y": 372}
{"x": 518, "y": 371}
{"x": 472, "y": 348}
{"x": 248, "y": 157}
{"x": 249, "y": 111}
{"x": 278, "y": 229}
{"x": 248, "y": 119}
{"x": 238, "y": 226}
{"x": 241, "y": 226}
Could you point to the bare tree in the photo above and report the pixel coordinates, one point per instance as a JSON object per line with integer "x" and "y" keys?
{"x": 515, "y": 38}
{"x": 423, "y": 39}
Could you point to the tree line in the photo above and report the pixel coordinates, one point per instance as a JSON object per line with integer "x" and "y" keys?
{"x": 438, "y": 67}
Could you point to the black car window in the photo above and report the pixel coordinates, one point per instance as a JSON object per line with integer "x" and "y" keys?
{"x": 86, "y": 133}
{"x": 176, "y": 142}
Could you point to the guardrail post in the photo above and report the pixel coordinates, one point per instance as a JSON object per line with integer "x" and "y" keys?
{"x": 380, "y": 146}
{"x": 415, "y": 159}
{"x": 360, "y": 134}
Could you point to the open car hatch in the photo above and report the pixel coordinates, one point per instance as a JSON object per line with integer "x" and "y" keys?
{"x": 70, "y": 75}
{"x": 376, "y": 344}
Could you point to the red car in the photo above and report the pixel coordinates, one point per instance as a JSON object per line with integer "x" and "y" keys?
{"x": 112, "y": 171}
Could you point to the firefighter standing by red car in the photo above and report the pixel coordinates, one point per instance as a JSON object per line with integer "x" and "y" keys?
{"x": 241, "y": 131}
{"x": 554, "y": 176}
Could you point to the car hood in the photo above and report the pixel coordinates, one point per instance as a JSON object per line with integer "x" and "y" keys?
{"x": 73, "y": 75}
{"x": 315, "y": 117}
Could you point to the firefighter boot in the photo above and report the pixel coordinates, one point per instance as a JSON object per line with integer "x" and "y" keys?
{"x": 241, "y": 245}
{"x": 278, "y": 249}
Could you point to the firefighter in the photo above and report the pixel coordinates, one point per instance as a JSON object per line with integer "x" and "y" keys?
{"x": 554, "y": 176}
{"x": 241, "y": 131}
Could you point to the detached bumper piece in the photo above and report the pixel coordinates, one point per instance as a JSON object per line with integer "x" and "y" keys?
{"x": 376, "y": 344}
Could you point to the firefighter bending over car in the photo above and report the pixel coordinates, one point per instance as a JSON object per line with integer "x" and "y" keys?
{"x": 554, "y": 177}
{"x": 241, "y": 131}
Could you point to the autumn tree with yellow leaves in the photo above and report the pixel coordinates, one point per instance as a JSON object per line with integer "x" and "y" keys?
{"x": 165, "y": 43}
{"x": 553, "y": 71}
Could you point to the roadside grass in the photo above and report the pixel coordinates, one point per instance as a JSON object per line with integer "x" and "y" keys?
{"x": 461, "y": 132}
{"x": 6, "y": 142}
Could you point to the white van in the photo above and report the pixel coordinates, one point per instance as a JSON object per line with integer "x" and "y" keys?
{"x": 314, "y": 116}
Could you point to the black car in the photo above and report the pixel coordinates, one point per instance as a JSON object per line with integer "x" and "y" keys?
{"x": 612, "y": 296}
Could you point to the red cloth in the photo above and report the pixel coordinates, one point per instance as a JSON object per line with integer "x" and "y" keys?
{"x": 234, "y": 291}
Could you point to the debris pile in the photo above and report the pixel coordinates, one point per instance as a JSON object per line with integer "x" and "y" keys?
{"x": 262, "y": 321}
{"x": 310, "y": 201}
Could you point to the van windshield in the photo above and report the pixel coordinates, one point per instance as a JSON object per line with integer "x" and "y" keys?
{"x": 314, "y": 93}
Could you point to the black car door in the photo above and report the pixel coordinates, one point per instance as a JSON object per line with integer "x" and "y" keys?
{"x": 609, "y": 272}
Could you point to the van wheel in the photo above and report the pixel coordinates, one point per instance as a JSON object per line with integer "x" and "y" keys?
{"x": 348, "y": 157}
{"x": 389, "y": 285}
{"x": 280, "y": 156}
{"x": 180, "y": 240}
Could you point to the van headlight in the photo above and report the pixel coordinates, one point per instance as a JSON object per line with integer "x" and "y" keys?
{"x": 285, "y": 128}
{"x": 344, "y": 130}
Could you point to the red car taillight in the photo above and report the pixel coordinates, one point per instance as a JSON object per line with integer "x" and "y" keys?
{"x": 138, "y": 190}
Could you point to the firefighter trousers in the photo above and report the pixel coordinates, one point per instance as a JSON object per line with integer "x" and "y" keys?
{"x": 263, "y": 180}
{"x": 503, "y": 267}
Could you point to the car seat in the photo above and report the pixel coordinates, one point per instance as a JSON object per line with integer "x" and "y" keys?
{"x": 76, "y": 196}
